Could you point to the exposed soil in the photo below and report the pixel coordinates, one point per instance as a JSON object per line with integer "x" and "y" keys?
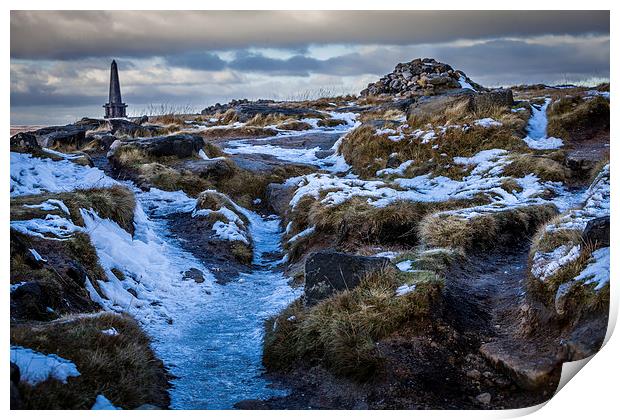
{"x": 442, "y": 367}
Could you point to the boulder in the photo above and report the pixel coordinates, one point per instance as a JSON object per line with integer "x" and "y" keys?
{"x": 181, "y": 146}
{"x": 16, "y": 400}
{"x": 328, "y": 272}
{"x": 67, "y": 138}
{"x": 597, "y": 232}
{"x": 279, "y": 196}
{"x": 427, "y": 106}
{"x": 216, "y": 168}
{"x": 15, "y": 374}
{"x": 496, "y": 97}
{"x": 24, "y": 142}
{"x": 33, "y": 300}
{"x": 194, "y": 274}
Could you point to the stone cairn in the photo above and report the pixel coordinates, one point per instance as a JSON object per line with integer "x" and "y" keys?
{"x": 420, "y": 77}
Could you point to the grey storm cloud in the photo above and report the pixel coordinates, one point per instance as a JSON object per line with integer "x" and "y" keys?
{"x": 78, "y": 34}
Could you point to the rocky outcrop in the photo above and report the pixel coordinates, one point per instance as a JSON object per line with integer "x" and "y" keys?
{"x": 328, "y": 272}
{"x": 24, "y": 142}
{"x": 427, "y": 106}
{"x": 279, "y": 196}
{"x": 246, "y": 109}
{"x": 211, "y": 168}
{"x": 178, "y": 145}
{"x": 597, "y": 232}
{"x": 420, "y": 77}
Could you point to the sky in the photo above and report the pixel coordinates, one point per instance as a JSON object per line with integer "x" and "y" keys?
{"x": 186, "y": 60}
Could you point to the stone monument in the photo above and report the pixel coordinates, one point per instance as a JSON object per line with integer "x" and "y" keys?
{"x": 115, "y": 108}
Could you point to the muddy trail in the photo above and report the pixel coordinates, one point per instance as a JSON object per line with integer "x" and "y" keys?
{"x": 444, "y": 367}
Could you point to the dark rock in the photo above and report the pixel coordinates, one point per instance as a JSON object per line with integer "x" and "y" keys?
{"x": 194, "y": 274}
{"x": 33, "y": 300}
{"x": 216, "y": 168}
{"x": 132, "y": 292}
{"x": 120, "y": 127}
{"x": 77, "y": 273}
{"x": 279, "y": 196}
{"x": 68, "y": 137}
{"x": 427, "y": 106}
{"x": 327, "y": 272}
{"x": 496, "y": 97}
{"x": 15, "y": 374}
{"x": 484, "y": 398}
{"x": 178, "y": 145}
{"x": 246, "y": 110}
{"x": 24, "y": 142}
{"x": 16, "y": 400}
{"x": 597, "y": 232}
{"x": 393, "y": 161}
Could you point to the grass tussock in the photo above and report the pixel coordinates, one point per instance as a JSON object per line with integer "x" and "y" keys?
{"x": 544, "y": 167}
{"x": 168, "y": 119}
{"x": 331, "y": 122}
{"x": 60, "y": 279}
{"x": 294, "y": 125}
{"x": 122, "y": 367}
{"x": 116, "y": 203}
{"x": 485, "y": 231}
{"x": 341, "y": 332}
{"x": 368, "y": 152}
{"x": 575, "y": 119}
{"x": 242, "y": 132}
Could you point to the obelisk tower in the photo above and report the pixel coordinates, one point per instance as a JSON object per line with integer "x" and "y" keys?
{"x": 115, "y": 108}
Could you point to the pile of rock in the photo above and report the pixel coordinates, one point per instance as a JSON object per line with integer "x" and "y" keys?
{"x": 421, "y": 77}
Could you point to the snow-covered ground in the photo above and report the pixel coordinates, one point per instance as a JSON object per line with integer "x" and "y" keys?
{"x": 35, "y": 367}
{"x": 537, "y": 129}
{"x": 210, "y": 336}
{"x": 333, "y": 162}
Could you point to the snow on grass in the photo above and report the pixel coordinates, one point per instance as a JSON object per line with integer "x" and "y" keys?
{"x": 597, "y": 270}
{"x": 110, "y": 331}
{"x": 35, "y": 367}
{"x": 400, "y": 170}
{"x": 16, "y": 286}
{"x": 229, "y": 232}
{"x": 151, "y": 267}
{"x": 304, "y": 233}
{"x": 31, "y": 175}
{"x": 487, "y": 123}
{"x": 596, "y": 204}
{"x": 546, "y": 264}
{"x": 537, "y": 129}
{"x": 36, "y": 255}
{"x": 405, "y": 289}
{"x": 484, "y": 178}
{"x": 49, "y": 205}
{"x": 102, "y": 403}
{"x": 405, "y": 265}
{"x": 53, "y": 227}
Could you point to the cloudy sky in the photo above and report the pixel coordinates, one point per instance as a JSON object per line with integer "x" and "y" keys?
{"x": 60, "y": 59}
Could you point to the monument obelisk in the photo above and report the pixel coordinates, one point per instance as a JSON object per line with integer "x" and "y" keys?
{"x": 115, "y": 108}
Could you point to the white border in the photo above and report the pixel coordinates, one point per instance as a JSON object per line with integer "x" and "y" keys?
{"x": 592, "y": 395}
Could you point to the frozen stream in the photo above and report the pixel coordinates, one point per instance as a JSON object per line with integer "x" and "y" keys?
{"x": 208, "y": 335}
{"x": 215, "y": 348}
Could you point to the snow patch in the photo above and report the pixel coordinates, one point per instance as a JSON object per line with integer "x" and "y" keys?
{"x": 35, "y": 367}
